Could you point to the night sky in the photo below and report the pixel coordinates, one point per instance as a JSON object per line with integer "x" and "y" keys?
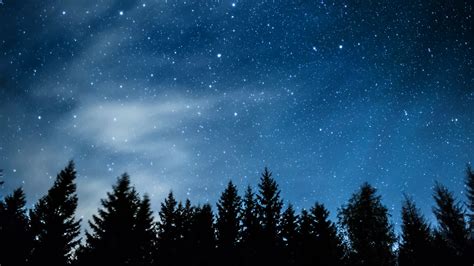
{"x": 186, "y": 95}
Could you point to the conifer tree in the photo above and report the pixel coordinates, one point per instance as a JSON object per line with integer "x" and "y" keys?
{"x": 305, "y": 242}
{"x": 470, "y": 198}
{"x": 53, "y": 224}
{"x": 365, "y": 222}
{"x": 15, "y": 236}
{"x": 228, "y": 223}
{"x": 145, "y": 233}
{"x": 185, "y": 215}
{"x": 250, "y": 229}
{"x": 289, "y": 234}
{"x": 168, "y": 232}
{"x": 269, "y": 210}
{"x": 269, "y": 207}
{"x": 184, "y": 243}
{"x": 452, "y": 227}
{"x": 202, "y": 237}
{"x": 470, "y": 207}
{"x": 416, "y": 246}
{"x": 328, "y": 246}
{"x": 113, "y": 237}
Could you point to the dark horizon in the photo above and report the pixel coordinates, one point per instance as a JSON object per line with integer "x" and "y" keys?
{"x": 253, "y": 227}
{"x": 155, "y": 202}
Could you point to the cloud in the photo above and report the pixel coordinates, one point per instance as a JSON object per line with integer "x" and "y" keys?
{"x": 133, "y": 127}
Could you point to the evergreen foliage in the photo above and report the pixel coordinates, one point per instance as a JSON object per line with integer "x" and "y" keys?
{"x": 247, "y": 230}
{"x": 53, "y": 224}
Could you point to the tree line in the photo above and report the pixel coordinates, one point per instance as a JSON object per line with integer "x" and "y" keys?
{"x": 253, "y": 228}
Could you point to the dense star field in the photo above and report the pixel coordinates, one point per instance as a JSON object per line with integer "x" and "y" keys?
{"x": 186, "y": 95}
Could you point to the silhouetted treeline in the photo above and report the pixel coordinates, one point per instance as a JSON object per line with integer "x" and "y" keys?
{"x": 253, "y": 228}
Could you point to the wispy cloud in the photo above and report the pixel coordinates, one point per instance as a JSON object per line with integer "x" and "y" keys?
{"x": 133, "y": 127}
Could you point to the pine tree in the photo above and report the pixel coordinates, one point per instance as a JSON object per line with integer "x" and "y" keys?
{"x": 470, "y": 198}
{"x": 328, "y": 245}
{"x": 168, "y": 232}
{"x": 228, "y": 223}
{"x": 250, "y": 229}
{"x": 202, "y": 237}
{"x": 452, "y": 227}
{"x": 269, "y": 207}
{"x": 269, "y": 210}
{"x": 15, "y": 236}
{"x": 416, "y": 247}
{"x": 470, "y": 207}
{"x": 305, "y": 240}
{"x": 145, "y": 233}
{"x": 185, "y": 218}
{"x": 184, "y": 244}
{"x": 365, "y": 222}
{"x": 112, "y": 240}
{"x": 289, "y": 234}
{"x": 53, "y": 224}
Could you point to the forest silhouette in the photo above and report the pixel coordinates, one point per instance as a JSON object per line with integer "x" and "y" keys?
{"x": 249, "y": 228}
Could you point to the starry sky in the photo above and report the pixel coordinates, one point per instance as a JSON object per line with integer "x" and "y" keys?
{"x": 186, "y": 95}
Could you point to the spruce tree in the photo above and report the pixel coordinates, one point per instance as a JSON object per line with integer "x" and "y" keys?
{"x": 15, "y": 236}
{"x": 269, "y": 207}
{"x": 289, "y": 234}
{"x": 416, "y": 246}
{"x": 269, "y": 210}
{"x": 53, "y": 224}
{"x": 470, "y": 198}
{"x": 202, "y": 237}
{"x": 327, "y": 244}
{"x": 184, "y": 244}
{"x": 470, "y": 207}
{"x": 305, "y": 239}
{"x": 228, "y": 223}
{"x": 113, "y": 236}
{"x": 250, "y": 229}
{"x": 185, "y": 218}
{"x": 145, "y": 234}
{"x": 168, "y": 232}
{"x": 452, "y": 227}
{"x": 365, "y": 222}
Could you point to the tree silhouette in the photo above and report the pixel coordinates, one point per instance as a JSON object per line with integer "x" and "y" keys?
{"x": 228, "y": 224}
{"x": 185, "y": 216}
{"x": 15, "y": 236}
{"x": 470, "y": 207}
{"x": 202, "y": 237}
{"x": 185, "y": 253}
{"x": 52, "y": 221}
{"x": 269, "y": 206}
{"x": 113, "y": 239}
{"x": 416, "y": 246}
{"x": 470, "y": 197}
{"x": 145, "y": 234}
{"x": 365, "y": 222}
{"x": 305, "y": 244}
{"x": 269, "y": 210}
{"x": 289, "y": 234}
{"x": 328, "y": 245}
{"x": 452, "y": 234}
{"x": 168, "y": 233}
{"x": 250, "y": 229}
